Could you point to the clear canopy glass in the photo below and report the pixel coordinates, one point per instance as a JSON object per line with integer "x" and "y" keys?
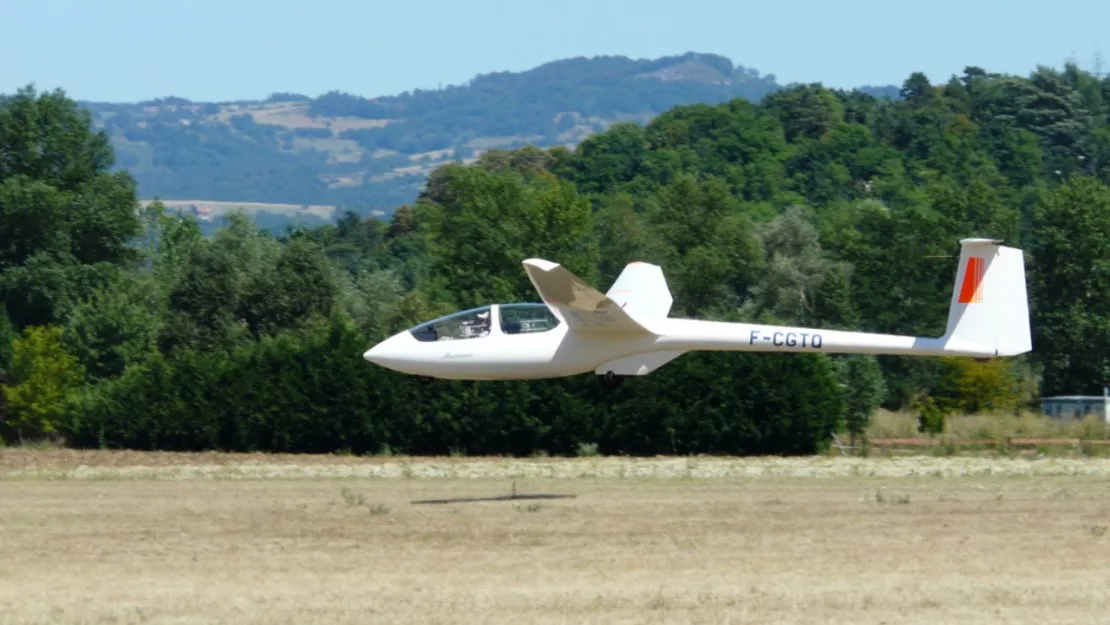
{"x": 526, "y": 318}
{"x": 475, "y": 322}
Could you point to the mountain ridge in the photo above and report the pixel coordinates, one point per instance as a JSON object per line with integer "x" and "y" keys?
{"x": 372, "y": 154}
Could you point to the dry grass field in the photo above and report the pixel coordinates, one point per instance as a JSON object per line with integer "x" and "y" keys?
{"x": 295, "y": 115}
{"x": 886, "y": 424}
{"x": 125, "y": 537}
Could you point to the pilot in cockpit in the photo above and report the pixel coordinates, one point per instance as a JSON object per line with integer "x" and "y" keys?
{"x": 482, "y": 326}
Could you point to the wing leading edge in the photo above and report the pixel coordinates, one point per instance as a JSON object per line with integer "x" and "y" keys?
{"x": 582, "y": 307}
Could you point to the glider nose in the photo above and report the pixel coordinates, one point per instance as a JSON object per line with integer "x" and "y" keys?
{"x": 373, "y": 354}
{"x": 389, "y": 353}
{"x": 378, "y": 354}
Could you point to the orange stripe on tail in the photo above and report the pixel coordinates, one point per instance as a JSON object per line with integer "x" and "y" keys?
{"x": 970, "y": 292}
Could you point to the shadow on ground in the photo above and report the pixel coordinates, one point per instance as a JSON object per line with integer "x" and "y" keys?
{"x": 512, "y": 497}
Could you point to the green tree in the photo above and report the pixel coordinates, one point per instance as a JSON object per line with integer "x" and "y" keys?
{"x": 114, "y": 327}
{"x": 299, "y": 286}
{"x": 45, "y": 378}
{"x": 972, "y": 387}
{"x": 1070, "y": 287}
{"x": 484, "y": 223}
{"x": 795, "y": 268}
{"x": 65, "y": 218}
{"x": 7, "y": 335}
{"x": 165, "y": 243}
{"x": 806, "y": 111}
{"x": 864, "y": 388}
{"x": 623, "y": 237}
{"x": 707, "y": 244}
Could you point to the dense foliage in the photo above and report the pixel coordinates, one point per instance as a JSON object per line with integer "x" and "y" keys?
{"x": 819, "y": 207}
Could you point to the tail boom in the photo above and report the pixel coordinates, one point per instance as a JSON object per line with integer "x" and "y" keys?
{"x": 697, "y": 335}
{"x": 988, "y": 317}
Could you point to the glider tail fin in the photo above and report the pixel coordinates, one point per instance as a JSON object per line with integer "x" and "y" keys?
{"x": 990, "y": 307}
{"x": 641, "y": 290}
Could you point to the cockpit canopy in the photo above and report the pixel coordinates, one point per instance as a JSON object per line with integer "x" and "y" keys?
{"x": 523, "y": 318}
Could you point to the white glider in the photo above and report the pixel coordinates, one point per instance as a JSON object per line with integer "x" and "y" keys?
{"x": 627, "y": 332}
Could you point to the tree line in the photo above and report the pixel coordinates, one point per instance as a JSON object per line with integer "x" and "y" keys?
{"x": 128, "y": 327}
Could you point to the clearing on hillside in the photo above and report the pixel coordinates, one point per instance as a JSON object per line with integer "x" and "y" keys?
{"x": 325, "y": 211}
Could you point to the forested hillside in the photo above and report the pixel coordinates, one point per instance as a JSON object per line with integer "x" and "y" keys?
{"x": 813, "y": 207}
{"x": 347, "y": 152}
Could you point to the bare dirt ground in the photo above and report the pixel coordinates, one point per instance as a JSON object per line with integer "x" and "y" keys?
{"x": 98, "y": 537}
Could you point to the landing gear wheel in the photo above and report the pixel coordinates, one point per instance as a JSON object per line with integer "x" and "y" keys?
{"x": 610, "y": 380}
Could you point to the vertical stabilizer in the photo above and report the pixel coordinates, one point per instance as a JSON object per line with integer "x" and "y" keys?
{"x": 989, "y": 307}
{"x": 642, "y": 290}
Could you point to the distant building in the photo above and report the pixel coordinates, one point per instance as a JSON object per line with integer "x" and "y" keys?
{"x": 1077, "y": 407}
{"x": 202, "y": 213}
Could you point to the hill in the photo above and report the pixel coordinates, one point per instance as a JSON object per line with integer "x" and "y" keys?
{"x": 373, "y": 154}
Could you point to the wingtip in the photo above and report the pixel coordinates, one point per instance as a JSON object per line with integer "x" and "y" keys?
{"x": 539, "y": 263}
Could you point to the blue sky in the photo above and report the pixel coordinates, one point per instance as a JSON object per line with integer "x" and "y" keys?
{"x": 125, "y": 50}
